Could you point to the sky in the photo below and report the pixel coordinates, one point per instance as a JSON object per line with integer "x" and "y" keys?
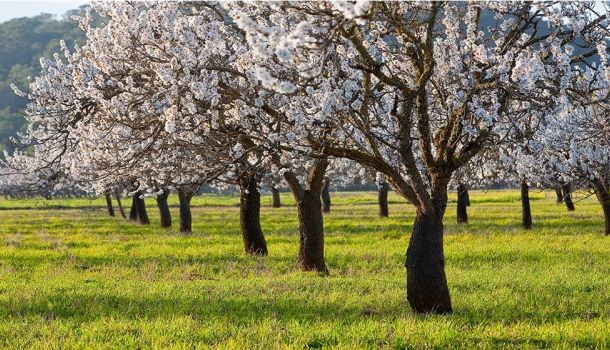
{"x": 26, "y": 8}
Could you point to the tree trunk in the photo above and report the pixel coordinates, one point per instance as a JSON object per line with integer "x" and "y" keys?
{"x": 249, "y": 217}
{"x": 558, "y": 194}
{"x": 326, "y": 196}
{"x": 603, "y": 197}
{"x": 311, "y": 229}
{"x": 382, "y": 198}
{"x": 526, "y": 213}
{"x": 467, "y": 196}
{"x": 109, "y": 203}
{"x": 462, "y": 203}
{"x": 164, "y": 214}
{"x": 275, "y": 194}
{"x": 133, "y": 214}
{"x": 427, "y": 290}
{"x": 567, "y": 196}
{"x": 185, "y": 211}
{"x": 117, "y": 195}
{"x": 142, "y": 215}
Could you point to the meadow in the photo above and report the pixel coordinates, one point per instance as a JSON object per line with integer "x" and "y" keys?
{"x": 72, "y": 277}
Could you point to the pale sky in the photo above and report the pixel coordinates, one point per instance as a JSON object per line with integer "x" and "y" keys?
{"x": 26, "y": 8}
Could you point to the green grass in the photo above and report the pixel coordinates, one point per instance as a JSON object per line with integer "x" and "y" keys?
{"x": 75, "y": 278}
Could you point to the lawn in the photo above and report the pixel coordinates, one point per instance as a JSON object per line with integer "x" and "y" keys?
{"x": 72, "y": 277}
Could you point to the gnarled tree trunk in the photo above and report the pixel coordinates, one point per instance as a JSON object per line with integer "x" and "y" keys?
{"x": 142, "y": 215}
{"x": 275, "y": 195}
{"x": 427, "y": 289}
{"x": 567, "y": 196}
{"x": 249, "y": 217}
{"x": 382, "y": 198}
{"x": 133, "y": 213}
{"x": 526, "y": 213}
{"x": 462, "y": 203}
{"x": 117, "y": 195}
{"x": 326, "y": 196}
{"x": 185, "y": 211}
{"x": 601, "y": 191}
{"x": 558, "y": 194}
{"x": 109, "y": 203}
{"x": 164, "y": 214}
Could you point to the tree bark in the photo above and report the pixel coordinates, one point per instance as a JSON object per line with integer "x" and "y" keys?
{"x": 109, "y": 203}
{"x": 427, "y": 290}
{"x": 164, "y": 214}
{"x": 558, "y": 194}
{"x": 467, "y": 194}
{"x": 462, "y": 204}
{"x": 382, "y": 198}
{"x": 142, "y": 215}
{"x": 249, "y": 217}
{"x": 117, "y": 195}
{"x": 133, "y": 214}
{"x": 326, "y": 196}
{"x": 311, "y": 228}
{"x": 601, "y": 191}
{"x": 275, "y": 195}
{"x": 526, "y": 213}
{"x": 567, "y": 196}
{"x": 185, "y": 211}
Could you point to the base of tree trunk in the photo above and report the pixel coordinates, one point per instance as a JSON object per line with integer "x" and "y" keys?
{"x": 275, "y": 195}
{"x": 462, "y": 204}
{"x": 567, "y": 197}
{"x": 427, "y": 289}
{"x": 133, "y": 213}
{"x": 185, "y": 212}
{"x": 526, "y": 213}
{"x": 382, "y": 199}
{"x": 558, "y": 194}
{"x": 109, "y": 204}
{"x": 117, "y": 195}
{"x": 249, "y": 217}
{"x": 142, "y": 215}
{"x": 311, "y": 229}
{"x": 165, "y": 215}
{"x": 601, "y": 191}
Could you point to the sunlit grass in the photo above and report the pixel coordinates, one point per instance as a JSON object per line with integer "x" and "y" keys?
{"x": 75, "y": 278}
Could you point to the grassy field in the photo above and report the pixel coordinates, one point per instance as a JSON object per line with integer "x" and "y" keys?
{"x": 75, "y": 278}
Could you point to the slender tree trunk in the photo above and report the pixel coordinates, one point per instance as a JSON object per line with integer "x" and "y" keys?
{"x": 133, "y": 213}
{"x": 467, "y": 194}
{"x": 526, "y": 213}
{"x": 427, "y": 290}
{"x": 311, "y": 229}
{"x": 462, "y": 203}
{"x": 326, "y": 196}
{"x": 601, "y": 191}
{"x": 109, "y": 203}
{"x": 558, "y": 194}
{"x": 275, "y": 194}
{"x": 117, "y": 195}
{"x": 567, "y": 196}
{"x": 164, "y": 214}
{"x": 382, "y": 198}
{"x": 142, "y": 215}
{"x": 185, "y": 211}
{"x": 249, "y": 217}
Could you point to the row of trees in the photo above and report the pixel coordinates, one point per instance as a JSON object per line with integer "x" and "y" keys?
{"x": 170, "y": 96}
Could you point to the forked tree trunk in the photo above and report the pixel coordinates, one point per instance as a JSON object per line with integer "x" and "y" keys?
{"x": 558, "y": 194}
{"x": 601, "y": 191}
{"x": 526, "y": 213}
{"x": 311, "y": 229}
{"x": 382, "y": 198}
{"x": 164, "y": 214}
{"x": 117, "y": 195}
{"x": 109, "y": 203}
{"x": 567, "y": 196}
{"x": 185, "y": 211}
{"x": 427, "y": 290}
{"x": 133, "y": 213}
{"x": 326, "y": 196}
{"x": 142, "y": 215}
{"x": 275, "y": 195}
{"x": 249, "y": 217}
{"x": 462, "y": 203}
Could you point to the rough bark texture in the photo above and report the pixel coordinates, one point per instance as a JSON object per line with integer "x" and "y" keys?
{"x": 311, "y": 227}
{"x": 109, "y": 204}
{"x": 133, "y": 214}
{"x": 249, "y": 217}
{"x": 462, "y": 203}
{"x": 526, "y": 213}
{"x": 164, "y": 214}
{"x": 185, "y": 211}
{"x": 601, "y": 191}
{"x": 117, "y": 195}
{"x": 142, "y": 215}
{"x": 275, "y": 195}
{"x": 326, "y": 196}
{"x": 382, "y": 198}
{"x": 467, "y": 196}
{"x": 558, "y": 194}
{"x": 427, "y": 290}
{"x": 567, "y": 196}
